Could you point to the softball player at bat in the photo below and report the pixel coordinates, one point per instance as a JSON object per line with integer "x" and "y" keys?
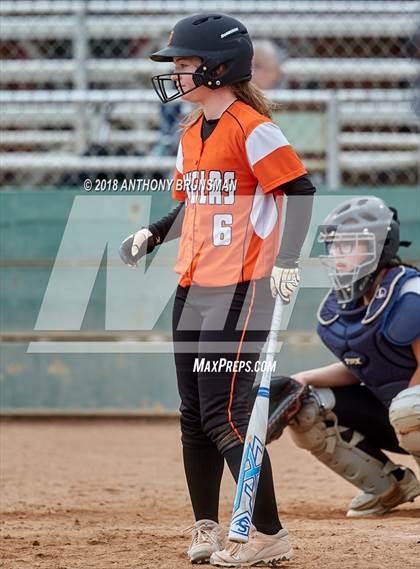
{"x": 233, "y": 168}
{"x": 370, "y": 400}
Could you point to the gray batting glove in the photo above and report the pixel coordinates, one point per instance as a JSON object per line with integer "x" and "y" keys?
{"x": 135, "y": 246}
{"x": 284, "y": 282}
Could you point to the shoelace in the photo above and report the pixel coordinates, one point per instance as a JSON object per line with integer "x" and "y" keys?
{"x": 234, "y": 548}
{"x": 201, "y": 533}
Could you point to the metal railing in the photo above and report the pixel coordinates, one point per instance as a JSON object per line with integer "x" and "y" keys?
{"x": 61, "y": 92}
{"x": 335, "y": 104}
{"x": 192, "y": 6}
{"x": 157, "y": 27}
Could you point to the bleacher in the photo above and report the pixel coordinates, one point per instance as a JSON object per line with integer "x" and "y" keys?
{"x": 76, "y": 74}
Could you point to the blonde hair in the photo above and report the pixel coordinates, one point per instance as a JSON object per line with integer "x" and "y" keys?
{"x": 248, "y": 93}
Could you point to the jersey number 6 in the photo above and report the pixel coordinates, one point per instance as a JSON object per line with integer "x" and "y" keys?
{"x": 222, "y": 232}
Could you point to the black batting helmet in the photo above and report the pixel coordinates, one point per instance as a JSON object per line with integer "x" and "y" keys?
{"x": 216, "y": 39}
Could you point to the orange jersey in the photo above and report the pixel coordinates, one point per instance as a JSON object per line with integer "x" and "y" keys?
{"x": 232, "y": 217}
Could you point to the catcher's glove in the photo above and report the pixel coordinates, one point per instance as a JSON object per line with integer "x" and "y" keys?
{"x": 286, "y": 398}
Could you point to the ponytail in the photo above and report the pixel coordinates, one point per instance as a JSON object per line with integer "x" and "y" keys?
{"x": 397, "y": 262}
{"x": 250, "y": 94}
{"x": 191, "y": 118}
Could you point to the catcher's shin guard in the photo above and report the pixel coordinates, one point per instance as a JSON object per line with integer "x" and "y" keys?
{"x": 401, "y": 491}
{"x": 315, "y": 429}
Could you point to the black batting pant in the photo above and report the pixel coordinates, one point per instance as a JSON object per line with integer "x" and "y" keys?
{"x": 211, "y": 325}
{"x": 358, "y": 409}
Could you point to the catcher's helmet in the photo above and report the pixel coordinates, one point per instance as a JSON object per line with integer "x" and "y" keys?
{"x": 366, "y": 220}
{"x": 215, "y": 39}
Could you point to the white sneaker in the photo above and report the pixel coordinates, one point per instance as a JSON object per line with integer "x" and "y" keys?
{"x": 402, "y": 491}
{"x": 207, "y": 537}
{"x": 260, "y": 549}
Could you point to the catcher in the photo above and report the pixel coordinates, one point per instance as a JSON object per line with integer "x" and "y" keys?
{"x": 369, "y": 401}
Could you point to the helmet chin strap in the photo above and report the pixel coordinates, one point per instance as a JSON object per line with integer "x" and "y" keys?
{"x": 360, "y": 288}
{"x": 356, "y": 290}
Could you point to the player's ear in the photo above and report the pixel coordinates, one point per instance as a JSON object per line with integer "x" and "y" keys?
{"x": 220, "y": 69}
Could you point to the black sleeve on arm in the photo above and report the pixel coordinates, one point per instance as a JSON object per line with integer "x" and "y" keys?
{"x": 298, "y": 216}
{"x": 169, "y": 227}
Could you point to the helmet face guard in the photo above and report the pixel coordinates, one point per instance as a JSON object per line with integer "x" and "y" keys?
{"x": 169, "y": 89}
{"x": 358, "y": 251}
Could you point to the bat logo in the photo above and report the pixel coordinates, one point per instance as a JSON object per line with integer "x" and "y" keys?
{"x": 248, "y": 481}
{"x": 243, "y": 524}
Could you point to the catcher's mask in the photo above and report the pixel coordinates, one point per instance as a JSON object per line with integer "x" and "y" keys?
{"x": 361, "y": 236}
{"x": 216, "y": 39}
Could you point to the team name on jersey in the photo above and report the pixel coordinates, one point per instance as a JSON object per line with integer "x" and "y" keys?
{"x": 211, "y": 187}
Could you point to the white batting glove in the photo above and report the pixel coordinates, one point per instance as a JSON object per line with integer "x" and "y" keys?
{"x": 135, "y": 246}
{"x": 140, "y": 239}
{"x": 284, "y": 282}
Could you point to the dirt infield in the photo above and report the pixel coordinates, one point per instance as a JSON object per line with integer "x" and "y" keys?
{"x": 112, "y": 495}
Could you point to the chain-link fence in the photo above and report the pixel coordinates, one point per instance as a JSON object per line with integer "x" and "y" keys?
{"x": 76, "y": 99}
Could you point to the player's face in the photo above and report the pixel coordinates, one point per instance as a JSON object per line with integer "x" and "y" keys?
{"x": 266, "y": 72}
{"x": 348, "y": 254}
{"x": 185, "y": 82}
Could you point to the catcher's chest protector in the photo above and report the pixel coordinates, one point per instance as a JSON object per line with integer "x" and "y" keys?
{"x": 364, "y": 340}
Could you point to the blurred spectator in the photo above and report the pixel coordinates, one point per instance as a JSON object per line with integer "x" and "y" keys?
{"x": 267, "y": 65}
{"x": 169, "y": 132}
